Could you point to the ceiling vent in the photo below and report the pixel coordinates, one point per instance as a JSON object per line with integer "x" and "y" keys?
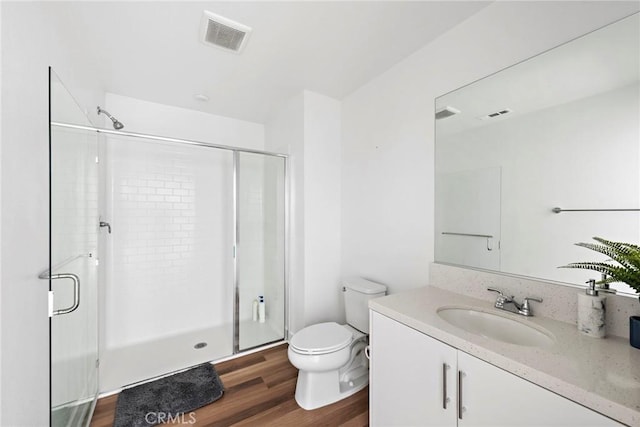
{"x": 496, "y": 114}
{"x": 445, "y": 112}
{"x": 224, "y": 33}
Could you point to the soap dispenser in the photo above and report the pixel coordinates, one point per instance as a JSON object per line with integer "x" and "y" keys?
{"x": 591, "y": 311}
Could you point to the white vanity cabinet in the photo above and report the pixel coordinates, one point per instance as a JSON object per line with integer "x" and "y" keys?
{"x": 406, "y": 377}
{"x": 417, "y": 380}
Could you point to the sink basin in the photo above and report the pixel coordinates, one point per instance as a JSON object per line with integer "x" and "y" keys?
{"x": 495, "y": 326}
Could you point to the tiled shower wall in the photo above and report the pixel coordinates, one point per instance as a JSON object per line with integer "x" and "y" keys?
{"x": 261, "y": 228}
{"x": 168, "y": 263}
{"x": 274, "y": 243}
{"x": 251, "y": 233}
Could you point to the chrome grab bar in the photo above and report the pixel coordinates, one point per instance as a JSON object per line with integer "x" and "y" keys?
{"x": 488, "y": 236}
{"x": 558, "y": 210}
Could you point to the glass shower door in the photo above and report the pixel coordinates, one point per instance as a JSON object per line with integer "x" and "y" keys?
{"x": 168, "y": 263}
{"x": 73, "y": 267}
{"x": 260, "y": 271}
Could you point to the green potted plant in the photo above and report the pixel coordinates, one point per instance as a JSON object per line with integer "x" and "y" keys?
{"x": 626, "y": 269}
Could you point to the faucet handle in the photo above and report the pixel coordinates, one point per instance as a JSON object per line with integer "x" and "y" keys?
{"x": 501, "y": 299}
{"x": 526, "y": 308}
{"x": 500, "y": 294}
{"x": 603, "y": 285}
{"x": 606, "y": 289}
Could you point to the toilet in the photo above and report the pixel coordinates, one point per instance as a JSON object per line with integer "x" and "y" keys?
{"x": 331, "y": 357}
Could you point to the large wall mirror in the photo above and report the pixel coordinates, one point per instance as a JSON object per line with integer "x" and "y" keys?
{"x": 542, "y": 155}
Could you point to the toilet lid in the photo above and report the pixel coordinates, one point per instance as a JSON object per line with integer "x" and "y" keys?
{"x": 321, "y": 338}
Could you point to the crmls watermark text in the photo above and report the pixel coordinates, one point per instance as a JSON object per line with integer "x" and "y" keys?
{"x": 168, "y": 417}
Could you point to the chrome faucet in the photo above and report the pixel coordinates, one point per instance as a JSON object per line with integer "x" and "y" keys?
{"x": 508, "y": 303}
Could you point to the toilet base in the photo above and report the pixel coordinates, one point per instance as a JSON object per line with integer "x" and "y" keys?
{"x": 317, "y": 389}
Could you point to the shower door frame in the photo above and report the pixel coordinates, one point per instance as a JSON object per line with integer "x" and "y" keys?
{"x": 236, "y": 162}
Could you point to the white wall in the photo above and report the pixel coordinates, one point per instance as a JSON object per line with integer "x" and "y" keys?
{"x": 165, "y": 120}
{"x": 284, "y": 133}
{"x": 308, "y": 129}
{"x": 322, "y": 194}
{"x": 26, "y": 54}
{"x": 387, "y": 155}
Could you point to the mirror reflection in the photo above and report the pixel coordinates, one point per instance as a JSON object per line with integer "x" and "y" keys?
{"x": 542, "y": 155}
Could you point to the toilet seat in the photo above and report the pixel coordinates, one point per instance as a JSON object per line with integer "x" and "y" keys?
{"x": 321, "y": 338}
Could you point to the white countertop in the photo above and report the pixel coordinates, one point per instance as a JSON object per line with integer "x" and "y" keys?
{"x": 602, "y": 374}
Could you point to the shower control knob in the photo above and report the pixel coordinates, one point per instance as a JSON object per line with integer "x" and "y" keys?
{"x": 106, "y": 224}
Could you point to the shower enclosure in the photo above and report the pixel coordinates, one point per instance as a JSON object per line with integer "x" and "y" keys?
{"x": 165, "y": 245}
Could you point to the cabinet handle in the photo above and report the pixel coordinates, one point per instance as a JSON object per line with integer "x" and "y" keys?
{"x": 460, "y": 375}
{"x": 444, "y": 385}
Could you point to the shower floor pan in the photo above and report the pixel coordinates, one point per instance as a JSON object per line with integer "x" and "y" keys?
{"x": 122, "y": 366}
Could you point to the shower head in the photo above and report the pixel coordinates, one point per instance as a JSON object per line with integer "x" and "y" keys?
{"x": 116, "y": 124}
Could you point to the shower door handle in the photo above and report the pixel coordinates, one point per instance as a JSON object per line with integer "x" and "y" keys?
{"x": 76, "y": 291}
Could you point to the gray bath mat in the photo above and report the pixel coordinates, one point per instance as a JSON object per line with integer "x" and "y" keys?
{"x": 168, "y": 399}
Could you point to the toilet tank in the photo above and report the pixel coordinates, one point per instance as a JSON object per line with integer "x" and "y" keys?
{"x": 357, "y": 292}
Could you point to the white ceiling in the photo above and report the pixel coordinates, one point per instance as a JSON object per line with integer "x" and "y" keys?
{"x": 152, "y": 50}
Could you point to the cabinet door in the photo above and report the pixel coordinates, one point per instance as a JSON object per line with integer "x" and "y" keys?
{"x": 407, "y": 386}
{"x": 492, "y": 397}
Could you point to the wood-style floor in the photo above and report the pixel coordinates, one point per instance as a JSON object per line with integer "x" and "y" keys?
{"x": 259, "y": 391}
